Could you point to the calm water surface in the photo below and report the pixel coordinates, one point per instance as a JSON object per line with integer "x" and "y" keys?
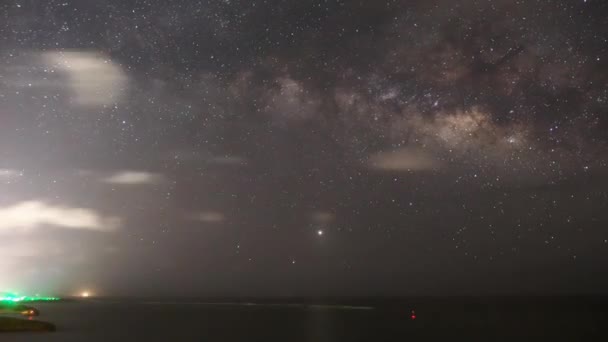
{"x": 435, "y": 321}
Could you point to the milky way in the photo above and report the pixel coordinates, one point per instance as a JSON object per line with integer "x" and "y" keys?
{"x": 303, "y": 148}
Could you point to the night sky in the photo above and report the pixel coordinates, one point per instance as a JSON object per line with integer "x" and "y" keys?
{"x": 296, "y": 148}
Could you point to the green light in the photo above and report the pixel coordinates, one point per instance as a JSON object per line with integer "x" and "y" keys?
{"x": 12, "y": 298}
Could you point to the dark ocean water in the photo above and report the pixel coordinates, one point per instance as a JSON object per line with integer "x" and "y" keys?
{"x": 481, "y": 319}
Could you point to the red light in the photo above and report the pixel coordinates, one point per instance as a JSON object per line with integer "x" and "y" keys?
{"x": 413, "y": 316}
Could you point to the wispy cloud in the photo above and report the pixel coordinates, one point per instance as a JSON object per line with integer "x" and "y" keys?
{"x": 322, "y": 216}
{"x": 133, "y": 178}
{"x": 93, "y": 78}
{"x": 10, "y": 173}
{"x": 30, "y": 215}
{"x": 208, "y": 217}
{"x": 404, "y": 159}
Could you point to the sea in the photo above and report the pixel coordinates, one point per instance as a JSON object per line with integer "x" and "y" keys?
{"x": 385, "y": 319}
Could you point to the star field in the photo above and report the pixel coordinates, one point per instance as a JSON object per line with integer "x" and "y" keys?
{"x": 303, "y": 147}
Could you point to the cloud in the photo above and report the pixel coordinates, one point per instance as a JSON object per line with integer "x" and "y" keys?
{"x": 403, "y": 159}
{"x": 93, "y": 78}
{"x": 322, "y": 216}
{"x": 29, "y": 215}
{"x": 208, "y": 217}
{"x": 133, "y": 178}
{"x": 10, "y": 173}
{"x": 23, "y": 247}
